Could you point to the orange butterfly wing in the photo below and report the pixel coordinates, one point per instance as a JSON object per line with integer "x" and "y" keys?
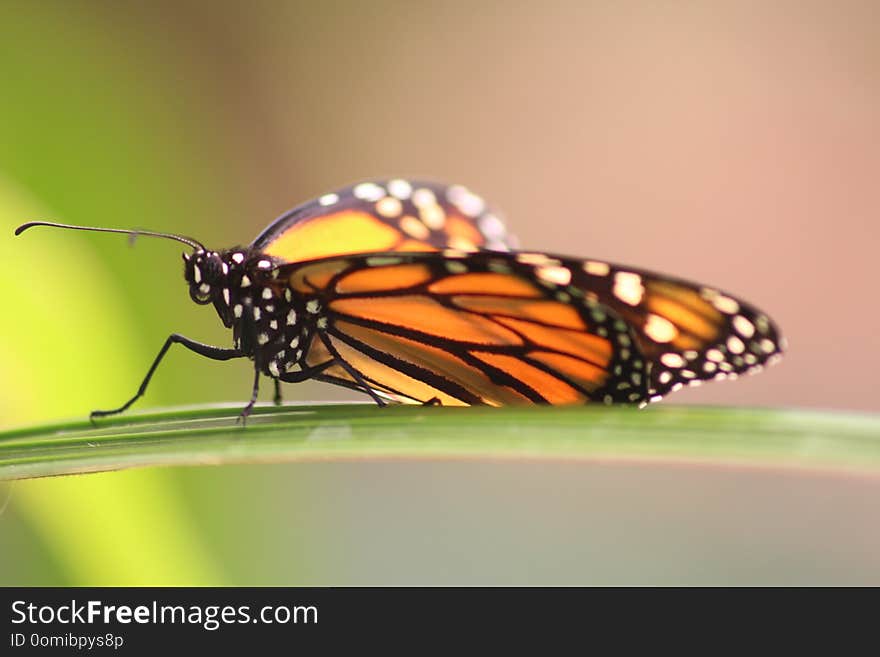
{"x": 688, "y": 331}
{"x": 504, "y": 328}
{"x": 385, "y": 215}
{"x": 481, "y": 328}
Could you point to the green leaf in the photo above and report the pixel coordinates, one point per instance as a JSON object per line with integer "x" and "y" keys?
{"x": 210, "y": 435}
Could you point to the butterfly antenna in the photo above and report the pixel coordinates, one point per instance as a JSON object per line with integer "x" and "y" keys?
{"x": 133, "y": 233}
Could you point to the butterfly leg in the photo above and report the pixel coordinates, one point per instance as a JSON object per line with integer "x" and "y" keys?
{"x": 433, "y": 401}
{"x": 353, "y": 373}
{"x": 277, "y": 399}
{"x": 294, "y": 377}
{"x": 302, "y": 376}
{"x": 305, "y": 374}
{"x": 215, "y": 353}
{"x": 242, "y": 417}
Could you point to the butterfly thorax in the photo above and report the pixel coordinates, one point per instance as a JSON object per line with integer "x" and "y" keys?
{"x": 270, "y": 324}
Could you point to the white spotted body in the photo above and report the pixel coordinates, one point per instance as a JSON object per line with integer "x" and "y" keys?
{"x": 269, "y": 324}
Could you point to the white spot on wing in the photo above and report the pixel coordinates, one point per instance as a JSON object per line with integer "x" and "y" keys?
{"x": 671, "y": 359}
{"x": 492, "y": 227}
{"x": 433, "y": 216}
{"x": 423, "y": 197}
{"x": 743, "y": 326}
{"x": 725, "y": 304}
{"x": 414, "y": 228}
{"x": 596, "y": 268}
{"x": 368, "y": 191}
{"x": 715, "y": 355}
{"x": 465, "y": 200}
{"x": 735, "y": 345}
{"x": 628, "y": 287}
{"x": 399, "y": 188}
{"x": 537, "y": 259}
{"x": 559, "y": 275}
{"x": 389, "y": 207}
{"x": 660, "y": 329}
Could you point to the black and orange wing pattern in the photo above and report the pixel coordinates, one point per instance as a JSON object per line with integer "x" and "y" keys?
{"x": 462, "y": 329}
{"x": 689, "y": 332}
{"x": 385, "y": 215}
{"x": 506, "y": 328}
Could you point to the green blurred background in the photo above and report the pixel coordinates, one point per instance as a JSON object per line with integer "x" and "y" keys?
{"x": 736, "y": 143}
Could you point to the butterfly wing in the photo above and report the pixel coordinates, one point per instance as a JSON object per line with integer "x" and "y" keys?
{"x": 385, "y": 215}
{"x": 688, "y": 331}
{"x": 503, "y": 328}
{"x": 476, "y": 328}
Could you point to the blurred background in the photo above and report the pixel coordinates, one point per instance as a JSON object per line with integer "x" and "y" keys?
{"x": 734, "y": 143}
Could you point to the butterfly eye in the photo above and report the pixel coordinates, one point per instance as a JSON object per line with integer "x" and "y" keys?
{"x": 201, "y": 293}
{"x": 200, "y": 277}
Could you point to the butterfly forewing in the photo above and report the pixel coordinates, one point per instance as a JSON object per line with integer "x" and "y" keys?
{"x": 689, "y": 332}
{"x": 477, "y": 328}
{"x": 385, "y": 215}
{"x": 507, "y": 328}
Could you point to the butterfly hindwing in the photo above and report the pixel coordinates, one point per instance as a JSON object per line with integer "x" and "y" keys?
{"x": 473, "y": 328}
{"x": 385, "y": 215}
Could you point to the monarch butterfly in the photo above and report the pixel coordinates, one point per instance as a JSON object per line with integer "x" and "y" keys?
{"x": 412, "y": 292}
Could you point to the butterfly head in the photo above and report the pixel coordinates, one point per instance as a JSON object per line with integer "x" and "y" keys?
{"x": 206, "y": 273}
